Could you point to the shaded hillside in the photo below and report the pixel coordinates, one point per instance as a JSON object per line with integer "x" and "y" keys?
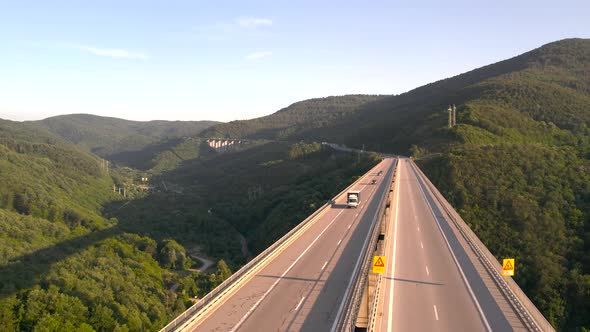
{"x": 112, "y": 138}
{"x": 63, "y": 265}
{"x": 555, "y": 71}
{"x": 260, "y": 192}
{"x": 515, "y": 166}
{"x": 45, "y": 177}
{"x": 289, "y": 122}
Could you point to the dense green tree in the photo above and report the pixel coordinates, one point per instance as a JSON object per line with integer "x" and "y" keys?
{"x": 172, "y": 255}
{"x": 223, "y": 272}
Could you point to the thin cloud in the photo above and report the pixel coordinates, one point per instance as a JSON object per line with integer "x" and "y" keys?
{"x": 258, "y": 55}
{"x": 251, "y": 22}
{"x": 111, "y": 52}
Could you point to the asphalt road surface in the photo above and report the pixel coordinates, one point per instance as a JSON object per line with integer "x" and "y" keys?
{"x": 302, "y": 287}
{"x": 430, "y": 284}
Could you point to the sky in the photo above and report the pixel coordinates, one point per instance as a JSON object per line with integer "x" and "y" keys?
{"x": 229, "y": 60}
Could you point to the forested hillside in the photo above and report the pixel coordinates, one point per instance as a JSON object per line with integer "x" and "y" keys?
{"x": 291, "y": 121}
{"x": 132, "y": 143}
{"x": 515, "y": 166}
{"x": 517, "y": 171}
{"x": 61, "y": 263}
{"x": 259, "y": 193}
{"x": 77, "y": 256}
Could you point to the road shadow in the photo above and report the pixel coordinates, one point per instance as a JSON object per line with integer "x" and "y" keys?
{"x": 290, "y": 278}
{"x": 415, "y": 281}
{"x": 339, "y": 206}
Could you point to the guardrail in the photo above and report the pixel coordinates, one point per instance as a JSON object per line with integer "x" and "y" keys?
{"x": 520, "y": 301}
{"x": 353, "y": 303}
{"x": 225, "y": 286}
{"x": 374, "y": 307}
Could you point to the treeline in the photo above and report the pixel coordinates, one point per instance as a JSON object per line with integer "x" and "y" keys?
{"x": 63, "y": 265}
{"x": 516, "y": 169}
{"x": 258, "y": 193}
{"x": 531, "y": 203}
{"x": 53, "y": 280}
{"x": 109, "y": 137}
{"x": 289, "y": 122}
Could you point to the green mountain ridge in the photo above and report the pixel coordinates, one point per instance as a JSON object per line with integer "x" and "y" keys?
{"x": 394, "y": 123}
{"x": 114, "y": 139}
{"x": 51, "y": 194}
{"x": 515, "y": 167}
{"x": 75, "y": 255}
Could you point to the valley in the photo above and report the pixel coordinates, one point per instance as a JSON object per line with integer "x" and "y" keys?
{"x": 80, "y": 254}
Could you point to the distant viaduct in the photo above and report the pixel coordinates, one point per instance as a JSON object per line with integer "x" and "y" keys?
{"x": 225, "y": 144}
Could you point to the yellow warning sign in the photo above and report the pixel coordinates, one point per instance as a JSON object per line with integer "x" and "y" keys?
{"x": 379, "y": 264}
{"x": 508, "y": 267}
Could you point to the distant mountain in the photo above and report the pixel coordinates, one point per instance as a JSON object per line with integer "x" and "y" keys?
{"x": 515, "y": 165}
{"x": 39, "y": 170}
{"x": 113, "y": 138}
{"x": 62, "y": 263}
{"x": 291, "y": 121}
{"x": 555, "y": 72}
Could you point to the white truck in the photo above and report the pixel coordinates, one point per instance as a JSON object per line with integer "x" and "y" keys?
{"x": 353, "y": 198}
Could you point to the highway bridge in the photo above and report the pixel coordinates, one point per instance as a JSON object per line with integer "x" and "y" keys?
{"x": 438, "y": 275}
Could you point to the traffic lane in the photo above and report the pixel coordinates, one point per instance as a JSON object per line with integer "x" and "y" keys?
{"x": 417, "y": 287}
{"x": 225, "y": 317}
{"x": 325, "y": 309}
{"x": 383, "y": 307}
{"x": 494, "y": 315}
{"x": 319, "y": 317}
{"x": 277, "y": 312}
{"x": 454, "y": 309}
{"x": 238, "y": 305}
{"x": 413, "y": 298}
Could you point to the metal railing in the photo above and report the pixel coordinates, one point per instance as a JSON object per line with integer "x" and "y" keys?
{"x": 253, "y": 265}
{"x": 374, "y": 307}
{"x": 354, "y": 302}
{"x": 510, "y": 288}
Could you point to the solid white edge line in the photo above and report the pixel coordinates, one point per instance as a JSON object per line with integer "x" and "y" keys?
{"x": 189, "y": 323}
{"x": 483, "y": 317}
{"x": 392, "y": 275}
{"x": 299, "y": 304}
{"x": 339, "y": 242}
{"x": 239, "y": 323}
{"x": 324, "y": 266}
{"x": 358, "y": 261}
